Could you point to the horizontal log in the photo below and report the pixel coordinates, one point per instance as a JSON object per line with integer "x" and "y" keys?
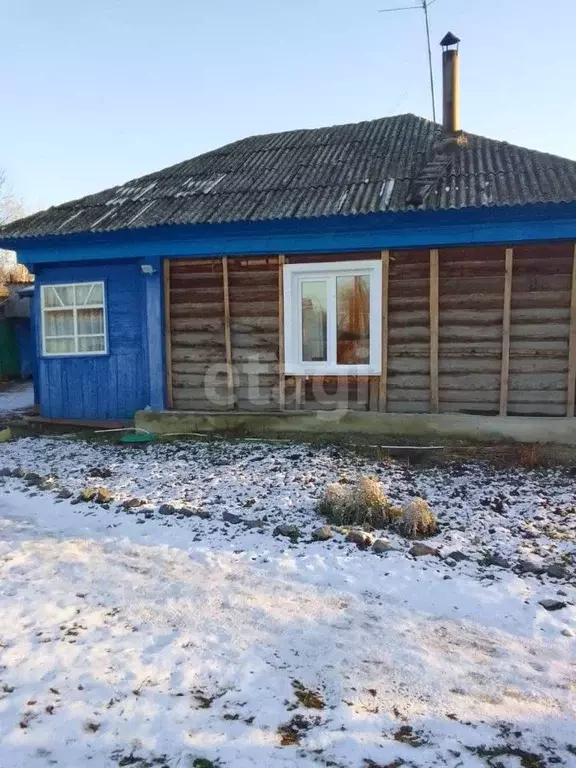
{"x": 195, "y": 282}
{"x": 527, "y": 382}
{"x": 483, "y": 397}
{"x": 538, "y": 409}
{"x": 197, "y": 296}
{"x": 546, "y": 331}
{"x": 537, "y": 396}
{"x": 198, "y": 340}
{"x": 197, "y": 325}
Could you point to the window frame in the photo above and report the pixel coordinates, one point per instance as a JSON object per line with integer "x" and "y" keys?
{"x": 294, "y": 275}
{"x": 44, "y": 309}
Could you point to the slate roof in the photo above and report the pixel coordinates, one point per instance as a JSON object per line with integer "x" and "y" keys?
{"x": 346, "y": 170}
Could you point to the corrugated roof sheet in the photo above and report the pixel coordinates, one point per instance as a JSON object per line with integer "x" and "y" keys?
{"x": 346, "y": 170}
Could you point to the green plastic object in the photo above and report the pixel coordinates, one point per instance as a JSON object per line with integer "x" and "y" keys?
{"x": 138, "y": 437}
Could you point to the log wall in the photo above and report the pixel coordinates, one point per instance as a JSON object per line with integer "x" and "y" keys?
{"x": 461, "y": 337}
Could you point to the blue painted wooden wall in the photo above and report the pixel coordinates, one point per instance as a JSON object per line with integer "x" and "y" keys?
{"x": 111, "y": 386}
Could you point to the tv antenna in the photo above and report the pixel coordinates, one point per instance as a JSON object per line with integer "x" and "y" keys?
{"x": 422, "y": 5}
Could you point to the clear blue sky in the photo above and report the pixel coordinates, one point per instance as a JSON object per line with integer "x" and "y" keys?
{"x": 96, "y": 92}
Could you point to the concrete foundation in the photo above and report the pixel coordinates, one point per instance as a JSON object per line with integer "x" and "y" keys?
{"x": 379, "y": 427}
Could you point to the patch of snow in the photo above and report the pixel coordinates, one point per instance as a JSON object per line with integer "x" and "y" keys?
{"x": 129, "y": 634}
{"x": 17, "y": 397}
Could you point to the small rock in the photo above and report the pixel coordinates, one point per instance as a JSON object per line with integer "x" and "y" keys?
{"x": 360, "y": 538}
{"x": 228, "y": 517}
{"x": 288, "y": 530}
{"x": 194, "y": 512}
{"x": 102, "y": 472}
{"x": 5, "y": 472}
{"x": 496, "y": 560}
{"x": 322, "y": 534}
{"x": 255, "y": 523}
{"x": 567, "y": 633}
{"x": 557, "y": 571}
{"x": 167, "y": 509}
{"x": 458, "y": 556}
{"x": 33, "y": 478}
{"x": 552, "y": 605}
{"x": 528, "y": 566}
{"x": 381, "y": 545}
{"x": 421, "y": 550}
{"x": 18, "y": 472}
{"x": 65, "y": 493}
{"x": 132, "y": 503}
{"x": 100, "y": 495}
{"x": 48, "y": 484}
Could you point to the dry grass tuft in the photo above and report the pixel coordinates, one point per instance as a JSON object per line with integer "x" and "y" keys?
{"x": 417, "y": 521}
{"x": 362, "y": 502}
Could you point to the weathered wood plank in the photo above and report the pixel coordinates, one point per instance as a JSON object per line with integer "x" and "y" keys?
{"x": 434, "y": 331}
{"x": 167, "y": 333}
{"x": 571, "y": 382}
{"x": 227, "y": 336}
{"x": 505, "y": 372}
{"x": 281, "y": 352}
{"x": 383, "y": 381}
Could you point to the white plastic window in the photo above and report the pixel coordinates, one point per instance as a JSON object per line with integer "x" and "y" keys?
{"x": 333, "y": 318}
{"x": 73, "y": 319}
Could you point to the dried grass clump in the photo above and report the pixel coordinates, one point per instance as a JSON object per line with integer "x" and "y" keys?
{"x": 362, "y": 502}
{"x": 417, "y": 521}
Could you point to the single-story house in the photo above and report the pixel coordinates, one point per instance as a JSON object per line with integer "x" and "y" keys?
{"x": 394, "y": 266}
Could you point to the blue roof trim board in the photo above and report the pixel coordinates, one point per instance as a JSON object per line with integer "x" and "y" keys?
{"x": 342, "y": 172}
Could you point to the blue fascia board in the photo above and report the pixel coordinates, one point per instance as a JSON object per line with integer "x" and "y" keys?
{"x": 415, "y": 229}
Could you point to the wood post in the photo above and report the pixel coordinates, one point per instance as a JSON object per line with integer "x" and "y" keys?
{"x": 571, "y": 388}
{"x": 383, "y": 381}
{"x": 227, "y": 334}
{"x": 434, "y": 326}
{"x": 505, "y": 368}
{"x": 281, "y": 353}
{"x": 167, "y": 334}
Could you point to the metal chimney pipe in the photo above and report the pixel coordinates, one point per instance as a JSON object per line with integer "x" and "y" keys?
{"x": 451, "y": 85}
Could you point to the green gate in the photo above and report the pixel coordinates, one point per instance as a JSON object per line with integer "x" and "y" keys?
{"x": 9, "y": 357}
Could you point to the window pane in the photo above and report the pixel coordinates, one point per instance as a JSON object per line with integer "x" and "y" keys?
{"x": 314, "y": 304}
{"x": 50, "y": 297}
{"x": 91, "y": 344}
{"x": 97, "y": 295}
{"x": 65, "y": 294}
{"x": 83, "y": 294}
{"x": 59, "y": 323}
{"x": 59, "y": 346}
{"x": 90, "y": 321}
{"x": 353, "y": 308}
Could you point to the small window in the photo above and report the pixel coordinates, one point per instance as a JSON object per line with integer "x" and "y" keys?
{"x": 73, "y": 319}
{"x": 333, "y": 318}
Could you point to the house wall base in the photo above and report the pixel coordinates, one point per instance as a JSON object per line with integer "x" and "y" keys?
{"x": 364, "y": 425}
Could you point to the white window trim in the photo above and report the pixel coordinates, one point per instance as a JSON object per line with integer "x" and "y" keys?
{"x": 293, "y": 276}
{"x": 44, "y": 309}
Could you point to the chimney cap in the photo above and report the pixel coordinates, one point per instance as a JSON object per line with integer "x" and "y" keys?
{"x": 449, "y": 39}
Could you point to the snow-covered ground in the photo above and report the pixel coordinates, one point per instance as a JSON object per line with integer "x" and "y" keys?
{"x": 130, "y": 637}
{"x": 16, "y": 397}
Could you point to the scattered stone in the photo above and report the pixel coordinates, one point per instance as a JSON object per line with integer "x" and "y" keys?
{"x": 48, "y": 484}
{"x": 497, "y": 560}
{"x": 33, "y": 478}
{"x": 167, "y": 509}
{"x": 194, "y": 512}
{"x": 308, "y": 698}
{"x": 229, "y": 517}
{"x": 381, "y": 545}
{"x": 255, "y": 523}
{"x": 102, "y": 472}
{"x": 65, "y": 493}
{"x": 288, "y": 530}
{"x": 567, "y": 633}
{"x": 362, "y": 539}
{"x": 100, "y": 495}
{"x": 5, "y": 472}
{"x": 529, "y": 566}
{"x": 422, "y": 550}
{"x": 557, "y": 571}
{"x": 322, "y": 534}
{"x": 457, "y": 556}
{"x": 552, "y": 605}
{"x": 18, "y": 472}
{"x": 132, "y": 503}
